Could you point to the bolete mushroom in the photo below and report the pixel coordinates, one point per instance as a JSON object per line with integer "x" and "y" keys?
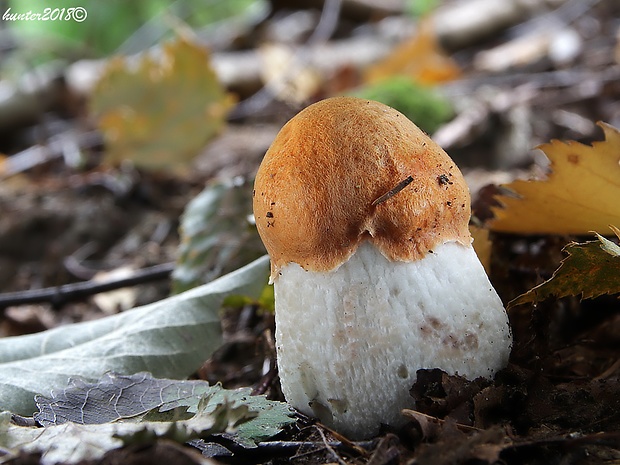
{"x": 365, "y": 220}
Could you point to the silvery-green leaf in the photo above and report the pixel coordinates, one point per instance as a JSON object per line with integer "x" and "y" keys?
{"x": 169, "y": 339}
{"x": 123, "y": 398}
{"x": 216, "y": 236}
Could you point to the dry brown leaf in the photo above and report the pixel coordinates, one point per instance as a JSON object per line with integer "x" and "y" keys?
{"x": 482, "y": 245}
{"x": 590, "y": 270}
{"x": 4, "y": 171}
{"x": 580, "y": 195}
{"x": 430, "y": 426}
{"x": 420, "y": 58}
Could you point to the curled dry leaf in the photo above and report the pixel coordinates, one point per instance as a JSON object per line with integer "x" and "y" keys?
{"x": 591, "y": 269}
{"x": 430, "y": 426}
{"x": 420, "y": 58}
{"x": 579, "y": 196}
{"x": 482, "y": 245}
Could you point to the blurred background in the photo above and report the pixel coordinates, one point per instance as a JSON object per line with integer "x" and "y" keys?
{"x": 115, "y": 115}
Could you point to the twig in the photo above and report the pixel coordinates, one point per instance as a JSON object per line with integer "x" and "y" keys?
{"x": 266, "y": 381}
{"x": 330, "y": 15}
{"x": 323, "y": 31}
{"x": 392, "y": 192}
{"x": 56, "y": 147}
{"x": 565, "y": 14}
{"x": 343, "y": 439}
{"x": 73, "y": 263}
{"x": 429, "y": 419}
{"x": 329, "y": 447}
{"x": 295, "y": 445}
{"x": 60, "y": 295}
{"x": 272, "y": 373}
{"x": 609, "y": 371}
{"x": 280, "y": 448}
{"x": 610, "y": 439}
{"x": 535, "y": 80}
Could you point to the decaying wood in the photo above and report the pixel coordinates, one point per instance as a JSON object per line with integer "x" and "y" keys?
{"x": 458, "y": 24}
{"x": 241, "y": 70}
{"x": 27, "y": 100}
{"x": 461, "y": 24}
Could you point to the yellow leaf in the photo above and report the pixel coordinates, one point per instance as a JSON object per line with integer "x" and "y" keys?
{"x": 3, "y": 166}
{"x": 420, "y": 58}
{"x": 591, "y": 269}
{"x": 581, "y": 194}
{"x": 482, "y": 245}
{"x": 160, "y": 111}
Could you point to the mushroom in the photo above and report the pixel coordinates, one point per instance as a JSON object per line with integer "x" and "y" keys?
{"x": 365, "y": 220}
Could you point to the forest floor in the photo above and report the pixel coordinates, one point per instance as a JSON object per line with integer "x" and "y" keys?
{"x": 558, "y": 401}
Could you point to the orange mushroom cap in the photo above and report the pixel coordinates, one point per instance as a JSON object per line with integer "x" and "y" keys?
{"x": 345, "y": 170}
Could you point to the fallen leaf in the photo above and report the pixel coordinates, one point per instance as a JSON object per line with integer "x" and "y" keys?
{"x": 580, "y": 194}
{"x": 116, "y": 397}
{"x": 420, "y": 58}
{"x": 160, "y": 111}
{"x": 3, "y": 165}
{"x": 70, "y": 443}
{"x": 446, "y": 396}
{"x": 216, "y": 236}
{"x": 138, "y": 397}
{"x": 482, "y": 245}
{"x": 112, "y": 302}
{"x": 169, "y": 338}
{"x": 591, "y": 269}
{"x": 483, "y": 447}
{"x": 429, "y": 426}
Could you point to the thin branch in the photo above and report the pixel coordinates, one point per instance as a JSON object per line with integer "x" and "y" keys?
{"x": 328, "y": 21}
{"x": 330, "y": 448}
{"x": 293, "y": 446}
{"x": 280, "y": 448}
{"x": 392, "y": 192}
{"x": 73, "y": 263}
{"x": 64, "y": 144}
{"x": 60, "y": 295}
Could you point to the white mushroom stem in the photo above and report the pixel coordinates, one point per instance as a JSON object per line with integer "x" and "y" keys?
{"x": 350, "y": 340}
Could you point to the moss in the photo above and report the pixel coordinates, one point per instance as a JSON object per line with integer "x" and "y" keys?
{"x": 421, "y": 104}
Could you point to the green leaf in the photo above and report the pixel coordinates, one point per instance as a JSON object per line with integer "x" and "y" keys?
{"x": 216, "y": 236}
{"x": 591, "y": 269}
{"x": 169, "y": 339}
{"x": 271, "y": 416}
{"x": 118, "y": 24}
{"x": 93, "y": 35}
